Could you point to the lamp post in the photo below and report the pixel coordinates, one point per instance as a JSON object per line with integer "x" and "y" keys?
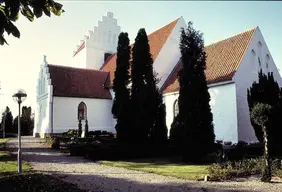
{"x": 19, "y": 97}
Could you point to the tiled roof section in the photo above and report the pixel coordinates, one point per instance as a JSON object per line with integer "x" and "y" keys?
{"x": 156, "y": 41}
{"x": 223, "y": 60}
{"x": 76, "y": 82}
{"x": 79, "y": 49}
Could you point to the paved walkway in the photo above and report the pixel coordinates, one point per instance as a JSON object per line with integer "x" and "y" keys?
{"x": 100, "y": 178}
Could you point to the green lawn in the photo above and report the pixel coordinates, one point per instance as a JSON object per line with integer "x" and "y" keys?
{"x": 8, "y": 163}
{"x": 3, "y": 140}
{"x": 189, "y": 172}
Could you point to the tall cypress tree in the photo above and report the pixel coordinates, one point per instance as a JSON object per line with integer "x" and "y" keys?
{"x": 159, "y": 130}
{"x": 267, "y": 91}
{"x": 143, "y": 87}
{"x": 121, "y": 107}
{"x": 193, "y": 126}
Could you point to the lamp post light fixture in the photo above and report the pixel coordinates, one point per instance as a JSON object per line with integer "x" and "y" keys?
{"x": 19, "y": 97}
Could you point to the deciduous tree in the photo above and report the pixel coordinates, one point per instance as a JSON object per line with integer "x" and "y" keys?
{"x": 10, "y": 10}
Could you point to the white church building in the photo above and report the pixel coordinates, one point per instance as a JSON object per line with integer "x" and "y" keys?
{"x": 84, "y": 89}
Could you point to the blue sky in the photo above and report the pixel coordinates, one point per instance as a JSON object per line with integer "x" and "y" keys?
{"x": 57, "y": 37}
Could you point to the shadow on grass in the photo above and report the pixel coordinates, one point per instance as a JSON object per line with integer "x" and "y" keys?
{"x": 108, "y": 182}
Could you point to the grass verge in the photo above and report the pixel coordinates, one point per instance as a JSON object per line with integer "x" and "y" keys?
{"x": 8, "y": 162}
{"x": 189, "y": 172}
{"x": 4, "y": 140}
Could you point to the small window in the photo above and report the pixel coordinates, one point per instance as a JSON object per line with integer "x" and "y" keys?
{"x": 82, "y": 111}
{"x": 175, "y": 108}
{"x": 266, "y": 65}
{"x": 259, "y": 62}
{"x": 106, "y": 56}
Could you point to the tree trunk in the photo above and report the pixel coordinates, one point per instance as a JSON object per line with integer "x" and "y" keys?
{"x": 266, "y": 172}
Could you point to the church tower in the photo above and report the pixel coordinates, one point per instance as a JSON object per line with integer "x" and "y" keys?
{"x": 97, "y": 45}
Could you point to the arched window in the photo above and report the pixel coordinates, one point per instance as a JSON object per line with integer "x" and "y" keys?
{"x": 82, "y": 111}
{"x": 267, "y": 60}
{"x": 259, "y": 62}
{"x": 175, "y": 108}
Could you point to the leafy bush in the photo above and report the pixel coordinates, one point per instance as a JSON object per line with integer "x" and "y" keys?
{"x": 242, "y": 150}
{"x": 70, "y": 132}
{"x": 230, "y": 169}
{"x": 241, "y": 168}
{"x": 53, "y": 142}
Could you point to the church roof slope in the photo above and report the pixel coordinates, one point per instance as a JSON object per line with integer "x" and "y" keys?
{"x": 223, "y": 60}
{"x": 76, "y": 82}
{"x": 156, "y": 41}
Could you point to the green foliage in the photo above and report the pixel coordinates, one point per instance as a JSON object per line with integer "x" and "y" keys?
{"x": 229, "y": 170}
{"x": 26, "y": 120}
{"x": 86, "y": 129}
{"x": 121, "y": 106}
{"x": 266, "y": 91}
{"x": 8, "y": 118}
{"x": 261, "y": 113}
{"x": 79, "y": 132}
{"x": 11, "y": 9}
{"x": 158, "y": 132}
{"x": 143, "y": 88}
{"x": 193, "y": 126}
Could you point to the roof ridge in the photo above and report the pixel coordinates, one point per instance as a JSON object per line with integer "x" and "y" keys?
{"x": 76, "y": 68}
{"x": 235, "y": 35}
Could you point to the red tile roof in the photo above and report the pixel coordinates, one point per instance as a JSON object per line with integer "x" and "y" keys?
{"x": 156, "y": 41}
{"x": 223, "y": 60}
{"x": 75, "y": 82}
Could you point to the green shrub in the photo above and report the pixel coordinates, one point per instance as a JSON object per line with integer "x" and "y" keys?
{"x": 53, "y": 142}
{"x": 245, "y": 167}
{"x": 226, "y": 171}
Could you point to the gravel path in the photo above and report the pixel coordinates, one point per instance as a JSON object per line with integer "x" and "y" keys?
{"x": 100, "y": 178}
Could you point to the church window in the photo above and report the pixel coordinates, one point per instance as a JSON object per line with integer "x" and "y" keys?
{"x": 175, "y": 108}
{"x": 267, "y": 60}
{"x": 82, "y": 111}
{"x": 106, "y": 56}
{"x": 259, "y": 62}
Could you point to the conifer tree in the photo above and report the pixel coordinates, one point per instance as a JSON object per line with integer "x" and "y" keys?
{"x": 159, "y": 130}
{"x": 193, "y": 126}
{"x": 86, "y": 131}
{"x": 267, "y": 91}
{"x": 121, "y": 105}
{"x": 261, "y": 114}
{"x": 143, "y": 88}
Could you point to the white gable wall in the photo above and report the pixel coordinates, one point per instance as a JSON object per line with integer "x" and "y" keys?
{"x": 169, "y": 55}
{"x": 248, "y": 73}
{"x": 102, "y": 40}
{"x": 223, "y": 106}
{"x": 65, "y": 114}
{"x": 43, "y": 100}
